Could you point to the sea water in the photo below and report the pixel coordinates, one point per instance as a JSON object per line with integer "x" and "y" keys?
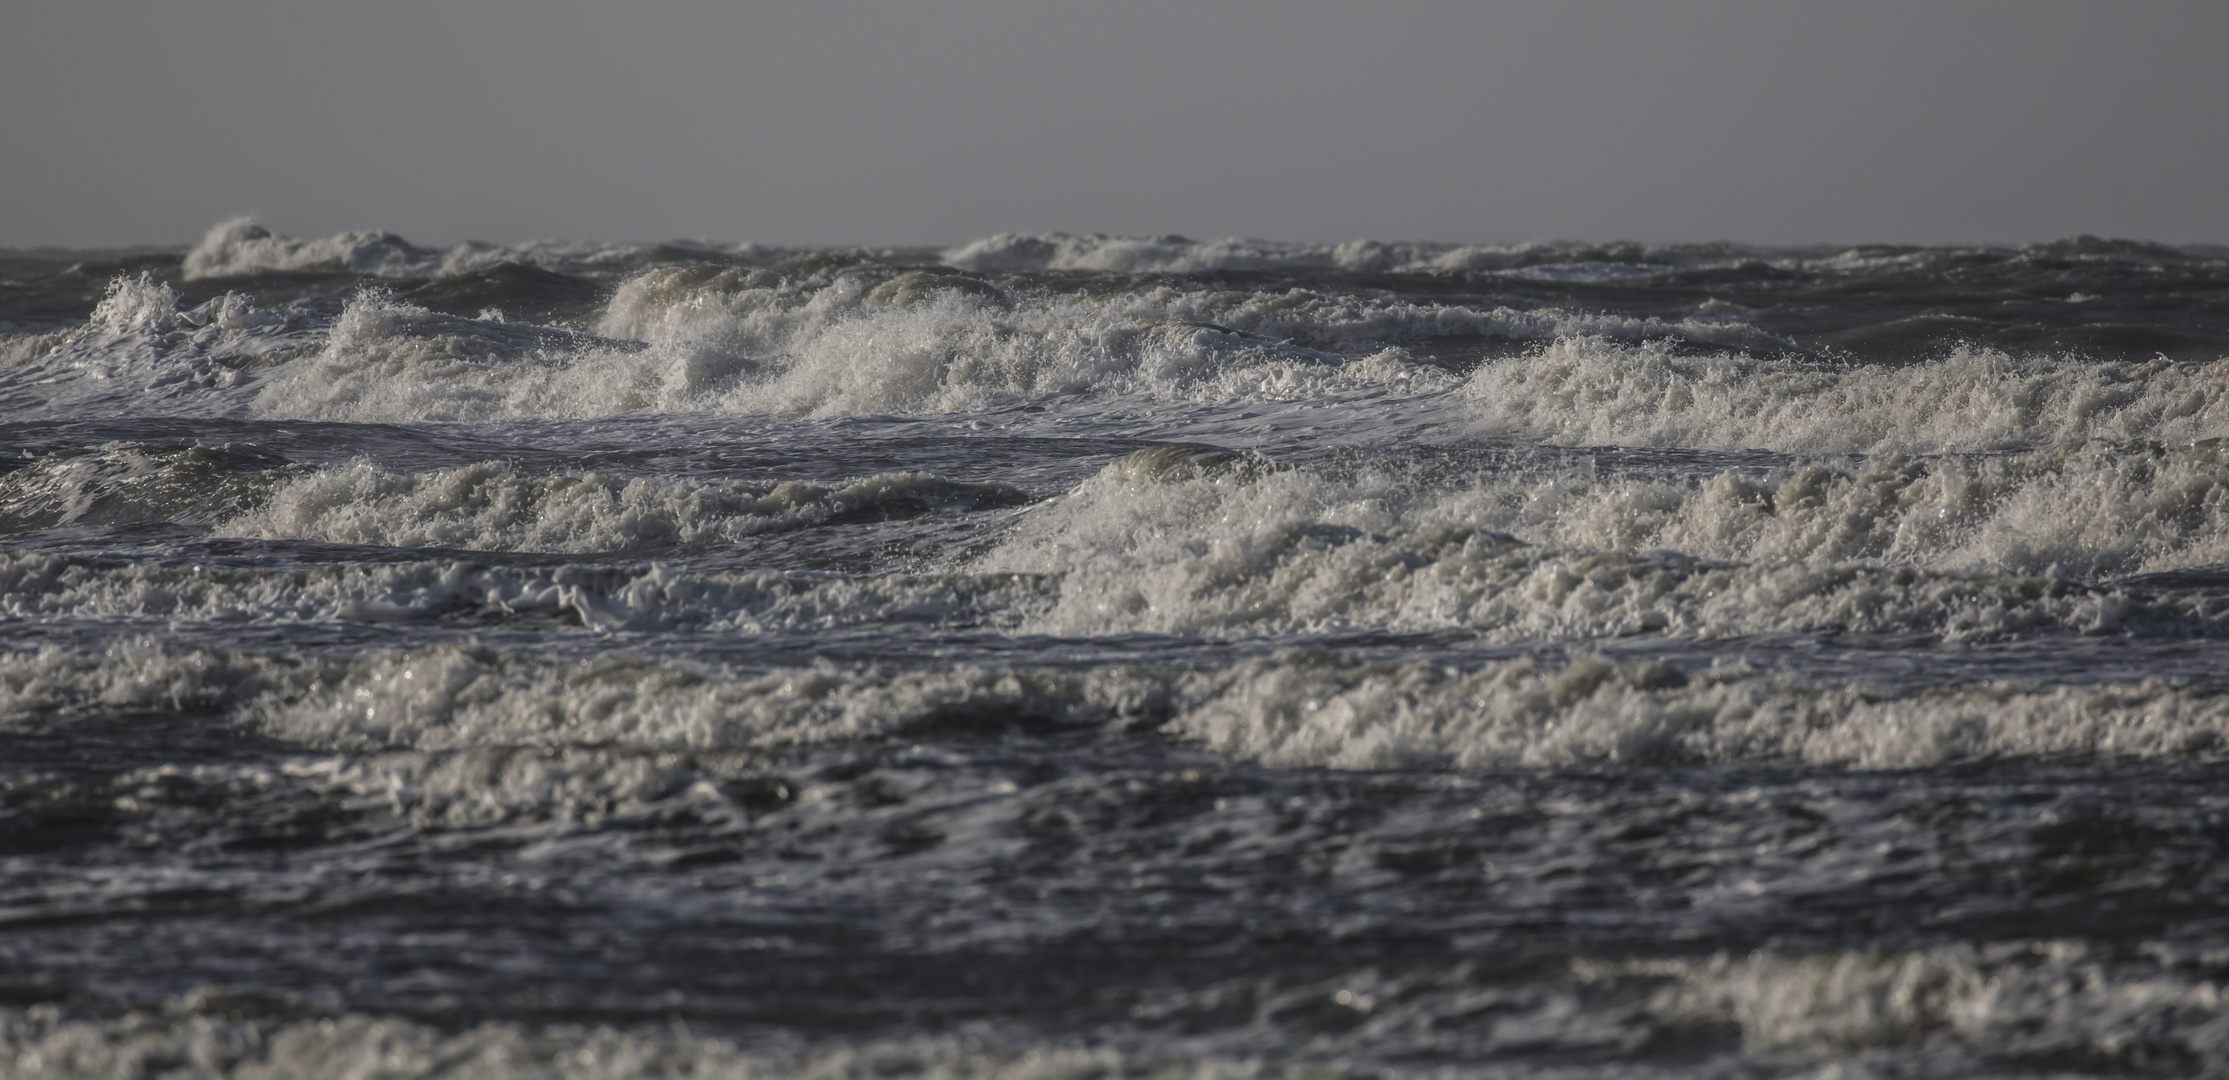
{"x": 1082, "y": 656}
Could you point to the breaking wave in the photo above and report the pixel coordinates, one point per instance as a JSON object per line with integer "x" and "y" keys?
{"x": 1589, "y": 391}
{"x": 1957, "y": 548}
{"x": 490, "y": 507}
{"x": 1306, "y": 708}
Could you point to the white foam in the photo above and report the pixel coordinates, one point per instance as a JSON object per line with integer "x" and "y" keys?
{"x": 828, "y": 350}
{"x": 455, "y": 697}
{"x": 1560, "y": 261}
{"x": 764, "y": 309}
{"x": 489, "y": 506}
{"x": 693, "y": 339}
{"x": 2029, "y": 1000}
{"x": 1304, "y": 708}
{"x": 943, "y": 345}
{"x": 141, "y": 352}
{"x": 17, "y": 350}
{"x": 1592, "y": 391}
{"x": 385, "y": 360}
{"x": 1310, "y": 709}
{"x": 238, "y": 247}
{"x": 1095, "y": 252}
{"x": 59, "y": 685}
{"x": 41, "y": 587}
{"x": 923, "y": 343}
{"x": 464, "y": 736}
{"x": 1963, "y": 549}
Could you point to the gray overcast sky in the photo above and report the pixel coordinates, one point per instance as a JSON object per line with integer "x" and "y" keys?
{"x": 132, "y": 121}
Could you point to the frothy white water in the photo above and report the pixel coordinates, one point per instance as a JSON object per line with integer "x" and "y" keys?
{"x": 1094, "y": 252}
{"x": 943, "y": 342}
{"x": 702, "y": 339}
{"x": 239, "y": 246}
{"x": 38, "y": 587}
{"x": 1482, "y": 586}
{"x": 141, "y": 352}
{"x": 1964, "y": 549}
{"x": 455, "y": 698}
{"x": 1016, "y": 253}
{"x": 1587, "y": 391}
{"x": 1565, "y": 261}
{"x": 921, "y": 343}
{"x": 1305, "y": 708}
{"x": 698, "y": 339}
{"x": 948, "y": 352}
{"x": 488, "y": 506}
{"x": 385, "y": 360}
{"x": 1311, "y": 709}
{"x": 1189, "y": 541}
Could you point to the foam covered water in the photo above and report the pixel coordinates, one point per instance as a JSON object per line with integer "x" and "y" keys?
{"x": 1300, "y": 708}
{"x": 1075, "y": 655}
{"x": 1587, "y": 391}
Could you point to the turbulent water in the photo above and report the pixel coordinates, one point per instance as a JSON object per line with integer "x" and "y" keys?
{"x": 1073, "y": 656}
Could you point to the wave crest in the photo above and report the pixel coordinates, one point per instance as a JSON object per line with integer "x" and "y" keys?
{"x": 490, "y": 507}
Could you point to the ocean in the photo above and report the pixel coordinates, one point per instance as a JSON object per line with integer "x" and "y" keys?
{"x": 1076, "y": 657}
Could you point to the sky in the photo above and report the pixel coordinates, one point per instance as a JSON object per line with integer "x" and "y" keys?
{"x": 938, "y": 121}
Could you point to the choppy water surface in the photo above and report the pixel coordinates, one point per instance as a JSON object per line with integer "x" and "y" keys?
{"x": 1081, "y": 656}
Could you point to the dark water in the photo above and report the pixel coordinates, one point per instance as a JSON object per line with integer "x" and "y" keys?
{"x": 1072, "y": 656}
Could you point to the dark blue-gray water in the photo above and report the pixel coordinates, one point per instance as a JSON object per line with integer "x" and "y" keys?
{"x": 1071, "y": 657}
